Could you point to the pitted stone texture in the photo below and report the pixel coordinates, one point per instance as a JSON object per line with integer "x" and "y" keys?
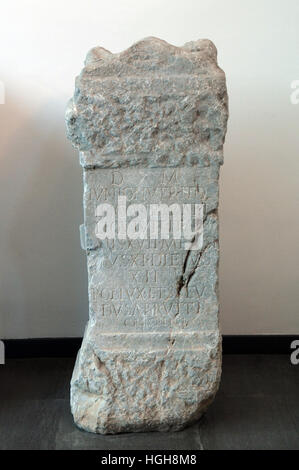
{"x": 149, "y": 123}
{"x": 152, "y": 105}
{"x": 133, "y": 391}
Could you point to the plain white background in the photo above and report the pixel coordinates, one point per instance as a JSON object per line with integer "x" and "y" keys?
{"x": 43, "y": 286}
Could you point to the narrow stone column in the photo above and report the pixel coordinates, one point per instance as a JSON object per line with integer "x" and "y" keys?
{"x": 149, "y": 124}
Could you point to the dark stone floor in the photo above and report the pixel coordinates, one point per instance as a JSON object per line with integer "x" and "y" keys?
{"x": 257, "y": 407}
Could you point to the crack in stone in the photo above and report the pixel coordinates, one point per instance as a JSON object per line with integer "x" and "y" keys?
{"x": 181, "y": 281}
{"x": 184, "y": 280}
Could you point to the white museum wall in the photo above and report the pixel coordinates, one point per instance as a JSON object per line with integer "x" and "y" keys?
{"x": 43, "y": 287}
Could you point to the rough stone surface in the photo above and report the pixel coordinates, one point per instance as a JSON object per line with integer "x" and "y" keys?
{"x": 150, "y": 124}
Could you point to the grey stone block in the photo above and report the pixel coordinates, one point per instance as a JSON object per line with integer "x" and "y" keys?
{"x": 150, "y": 124}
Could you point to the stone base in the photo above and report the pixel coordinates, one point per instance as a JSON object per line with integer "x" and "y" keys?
{"x": 117, "y": 390}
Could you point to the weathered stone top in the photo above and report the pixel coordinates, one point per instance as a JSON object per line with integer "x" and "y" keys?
{"x": 153, "y": 105}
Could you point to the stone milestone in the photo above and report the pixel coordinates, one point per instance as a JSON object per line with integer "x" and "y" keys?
{"x": 149, "y": 124}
